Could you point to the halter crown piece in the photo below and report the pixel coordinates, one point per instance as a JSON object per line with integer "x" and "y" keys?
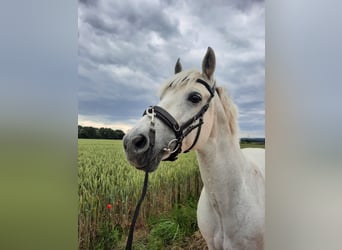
{"x": 180, "y": 131}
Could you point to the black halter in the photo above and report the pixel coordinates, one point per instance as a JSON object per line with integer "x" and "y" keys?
{"x": 180, "y": 131}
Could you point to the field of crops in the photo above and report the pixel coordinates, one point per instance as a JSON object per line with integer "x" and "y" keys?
{"x": 109, "y": 189}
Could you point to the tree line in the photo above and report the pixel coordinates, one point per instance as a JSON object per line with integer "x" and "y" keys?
{"x": 99, "y": 133}
{"x": 252, "y": 140}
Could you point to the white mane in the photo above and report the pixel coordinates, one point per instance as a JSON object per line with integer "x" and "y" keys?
{"x": 179, "y": 80}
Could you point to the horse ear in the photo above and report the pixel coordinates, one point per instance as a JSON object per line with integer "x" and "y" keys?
{"x": 178, "y": 67}
{"x": 208, "y": 64}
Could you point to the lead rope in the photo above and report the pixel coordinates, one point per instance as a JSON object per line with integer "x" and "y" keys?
{"x": 136, "y": 213}
{"x": 152, "y": 134}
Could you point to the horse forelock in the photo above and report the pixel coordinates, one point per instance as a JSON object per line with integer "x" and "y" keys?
{"x": 179, "y": 80}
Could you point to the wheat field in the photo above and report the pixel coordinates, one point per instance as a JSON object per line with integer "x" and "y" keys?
{"x": 109, "y": 188}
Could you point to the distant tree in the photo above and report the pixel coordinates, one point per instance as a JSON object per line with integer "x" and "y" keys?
{"x": 83, "y": 133}
{"x": 119, "y": 134}
{"x": 110, "y": 133}
{"x": 99, "y": 133}
{"x": 91, "y": 132}
{"x": 102, "y": 132}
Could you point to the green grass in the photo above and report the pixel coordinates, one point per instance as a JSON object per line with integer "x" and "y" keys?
{"x": 252, "y": 145}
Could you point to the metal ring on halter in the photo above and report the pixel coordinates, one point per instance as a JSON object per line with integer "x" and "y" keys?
{"x": 169, "y": 144}
{"x": 150, "y": 113}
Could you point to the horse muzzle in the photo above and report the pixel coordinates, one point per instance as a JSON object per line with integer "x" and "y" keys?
{"x": 140, "y": 150}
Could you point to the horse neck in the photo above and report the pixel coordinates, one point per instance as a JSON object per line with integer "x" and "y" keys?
{"x": 221, "y": 161}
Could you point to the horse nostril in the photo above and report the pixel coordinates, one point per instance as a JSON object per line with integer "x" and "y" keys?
{"x": 140, "y": 141}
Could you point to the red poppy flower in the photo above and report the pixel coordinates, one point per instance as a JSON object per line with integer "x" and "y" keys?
{"x": 109, "y": 206}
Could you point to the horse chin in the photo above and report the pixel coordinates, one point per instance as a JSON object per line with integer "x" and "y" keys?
{"x": 148, "y": 164}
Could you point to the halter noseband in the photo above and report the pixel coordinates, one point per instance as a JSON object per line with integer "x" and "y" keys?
{"x": 180, "y": 131}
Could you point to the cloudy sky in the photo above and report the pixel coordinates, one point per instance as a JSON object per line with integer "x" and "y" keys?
{"x": 128, "y": 48}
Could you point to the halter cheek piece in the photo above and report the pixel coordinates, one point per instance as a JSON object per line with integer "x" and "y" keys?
{"x": 180, "y": 131}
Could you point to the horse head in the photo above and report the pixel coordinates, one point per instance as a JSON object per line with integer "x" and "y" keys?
{"x": 181, "y": 121}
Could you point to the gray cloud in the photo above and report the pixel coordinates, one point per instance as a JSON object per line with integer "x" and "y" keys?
{"x": 87, "y": 2}
{"x": 128, "y": 48}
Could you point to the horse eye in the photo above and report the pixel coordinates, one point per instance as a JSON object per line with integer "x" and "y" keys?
{"x": 195, "y": 97}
